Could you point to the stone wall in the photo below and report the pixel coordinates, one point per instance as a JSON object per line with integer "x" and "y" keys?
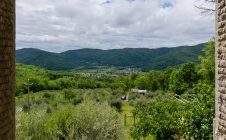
{"x": 7, "y": 69}
{"x": 220, "y": 121}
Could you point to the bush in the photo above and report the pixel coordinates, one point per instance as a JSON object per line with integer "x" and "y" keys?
{"x": 46, "y": 101}
{"x": 88, "y": 120}
{"x": 116, "y": 104}
{"x": 47, "y": 95}
{"x": 69, "y": 94}
{"x": 77, "y": 101}
{"x": 134, "y": 96}
{"x": 94, "y": 121}
{"x": 38, "y": 102}
{"x": 26, "y": 107}
{"x": 49, "y": 109}
{"x": 117, "y": 93}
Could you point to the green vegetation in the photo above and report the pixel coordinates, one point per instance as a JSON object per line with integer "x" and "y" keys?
{"x": 178, "y": 104}
{"x": 88, "y": 120}
{"x": 188, "y": 115}
{"x": 146, "y": 59}
{"x": 53, "y": 115}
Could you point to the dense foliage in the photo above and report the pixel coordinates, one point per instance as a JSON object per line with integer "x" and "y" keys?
{"x": 188, "y": 115}
{"x": 52, "y": 120}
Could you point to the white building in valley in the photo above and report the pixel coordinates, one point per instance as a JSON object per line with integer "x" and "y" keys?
{"x": 140, "y": 91}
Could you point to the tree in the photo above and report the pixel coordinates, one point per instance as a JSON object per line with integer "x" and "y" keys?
{"x": 206, "y": 6}
{"x": 201, "y": 113}
{"x": 162, "y": 118}
{"x": 167, "y": 73}
{"x": 184, "y": 78}
{"x": 177, "y": 84}
{"x": 156, "y": 80}
{"x": 188, "y": 116}
{"x": 207, "y": 67}
{"x": 189, "y": 74}
{"x": 128, "y": 82}
{"x": 142, "y": 83}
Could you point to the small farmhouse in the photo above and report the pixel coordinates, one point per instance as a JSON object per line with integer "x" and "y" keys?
{"x": 139, "y": 91}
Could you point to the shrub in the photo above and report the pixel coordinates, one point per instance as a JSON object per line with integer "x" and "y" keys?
{"x": 134, "y": 96}
{"x": 94, "y": 121}
{"x": 46, "y": 101}
{"x": 117, "y": 93}
{"x": 38, "y": 102}
{"x": 26, "y": 107}
{"x": 47, "y": 95}
{"x": 77, "y": 101}
{"x": 116, "y": 104}
{"x": 49, "y": 109}
{"x": 69, "y": 94}
{"x": 88, "y": 120}
{"x": 29, "y": 126}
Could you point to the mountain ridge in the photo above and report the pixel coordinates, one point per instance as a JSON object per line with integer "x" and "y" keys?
{"x": 145, "y": 58}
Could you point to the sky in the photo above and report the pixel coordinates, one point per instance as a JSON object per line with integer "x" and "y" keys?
{"x": 60, "y": 25}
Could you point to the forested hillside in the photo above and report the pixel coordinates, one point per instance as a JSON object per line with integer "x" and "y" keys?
{"x": 147, "y": 59}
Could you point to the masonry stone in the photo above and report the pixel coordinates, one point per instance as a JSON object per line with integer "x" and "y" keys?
{"x": 7, "y": 69}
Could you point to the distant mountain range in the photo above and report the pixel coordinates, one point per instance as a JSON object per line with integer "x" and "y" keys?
{"x": 144, "y": 58}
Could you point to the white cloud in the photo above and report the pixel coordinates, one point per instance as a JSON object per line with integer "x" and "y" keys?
{"x": 106, "y": 24}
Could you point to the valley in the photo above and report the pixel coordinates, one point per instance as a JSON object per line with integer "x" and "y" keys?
{"x": 116, "y": 103}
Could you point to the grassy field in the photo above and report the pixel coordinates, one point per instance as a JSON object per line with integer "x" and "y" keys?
{"x": 127, "y": 110}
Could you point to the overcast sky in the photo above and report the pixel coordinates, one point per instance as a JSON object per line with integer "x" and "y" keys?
{"x": 59, "y": 25}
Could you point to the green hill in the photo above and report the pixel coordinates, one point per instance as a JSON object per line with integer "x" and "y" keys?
{"x": 146, "y": 59}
